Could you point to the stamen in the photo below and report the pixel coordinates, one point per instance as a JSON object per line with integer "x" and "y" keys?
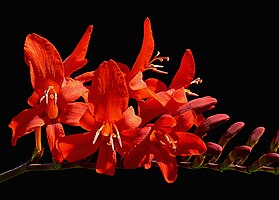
{"x": 171, "y": 143}
{"x": 97, "y": 134}
{"x": 162, "y": 143}
{"x": 163, "y": 138}
{"x": 55, "y": 98}
{"x": 46, "y": 95}
{"x": 153, "y": 67}
{"x": 191, "y": 93}
{"x": 196, "y": 81}
{"x": 110, "y": 142}
{"x": 118, "y": 135}
{"x": 42, "y": 98}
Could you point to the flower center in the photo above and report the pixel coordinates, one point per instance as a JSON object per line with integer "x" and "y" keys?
{"x": 164, "y": 139}
{"x": 50, "y": 97}
{"x": 109, "y": 130}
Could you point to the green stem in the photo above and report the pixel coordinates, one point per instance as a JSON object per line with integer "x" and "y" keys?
{"x": 13, "y": 172}
{"x": 29, "y": 167}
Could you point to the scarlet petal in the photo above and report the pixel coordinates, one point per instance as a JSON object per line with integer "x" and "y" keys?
{"x": 87, "y": 121}
{"x": 189, "y": 144}
{"x": 77, "y": 58}
{"x": 72, "y": 90}
{"x": 85, "y": 77}
{"x": 146, "y": 51}
{"x": 167, "y": 164}
{"x": 178, "y": 99}
{"x": 138, "y": 156}
{"x": 54, "y": 132}
{"x": 78, "y": 146}
{"x": 138, "y": 88}
{"x": 108, "y": 92}
{"x": 155, "y": 85}
{"x": 106, "y": 162}
{"x": 33, "y": 99}
{"x": 185, "y": 121}
{"x": 129, "y": 120}
{"x": 46, "y": 67}
{"x": 25, "y": 122}
{"x": 73, "y": 112}
{"x": 185, "y": 73}
{"x": 149, "y": 110}
{"x": 165, "y": 123}
{"x": 137, "y": 147}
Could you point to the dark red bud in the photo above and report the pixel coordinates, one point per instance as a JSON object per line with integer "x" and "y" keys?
{"x": 210, "y": 123}
{"x": 230, "y": 133}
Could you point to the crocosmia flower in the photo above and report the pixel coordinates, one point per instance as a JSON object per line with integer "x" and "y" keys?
{"x": 163, "y": 144}
{"x": 54, "y": 92}
{"x": 107, "y": 116}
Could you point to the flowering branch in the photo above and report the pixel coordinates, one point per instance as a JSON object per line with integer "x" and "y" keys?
{"x": 268, "y": 162}
{"x": 164, "y": 126}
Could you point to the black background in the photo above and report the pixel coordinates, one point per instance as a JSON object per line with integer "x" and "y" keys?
{"x": 235, "y": 50}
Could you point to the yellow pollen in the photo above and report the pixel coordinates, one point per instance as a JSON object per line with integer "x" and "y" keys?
{"x": 197, "y": 81}
{"x": 190, "y": 93}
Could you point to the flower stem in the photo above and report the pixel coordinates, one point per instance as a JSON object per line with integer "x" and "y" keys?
{"x": 85, "y": 164}
{"x": 13, "y": 172}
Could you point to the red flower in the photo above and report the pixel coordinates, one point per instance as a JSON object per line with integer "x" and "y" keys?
{"x": 137, "y": 87}
{"x": 163, "y": 144}
{"x": 107, "y": 116}
{"x": 169, "y": 98}
{"x": 54, "y": 92}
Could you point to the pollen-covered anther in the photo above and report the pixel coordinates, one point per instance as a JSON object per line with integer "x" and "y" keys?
{"x": 154, "y": 67}
{"x": 196, "y": 81}
{"x": 191, "y": 93}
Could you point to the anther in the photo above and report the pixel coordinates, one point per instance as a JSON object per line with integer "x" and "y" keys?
{"x": 196, "y": 81}
{"x": 191, "y": 93}
{"x": 154, "y": 67}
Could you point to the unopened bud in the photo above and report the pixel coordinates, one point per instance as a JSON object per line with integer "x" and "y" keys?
{"x": 237, "y": 154}
{"x": 265, "y": 160}
{"x": 210, "y": 123}
{"x": 274, "y": 143}
{"x": 255, "y": 136}
{"x": 230, "y": 133}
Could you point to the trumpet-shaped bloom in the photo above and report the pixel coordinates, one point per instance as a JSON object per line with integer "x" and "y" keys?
{"x": 163, "y": 143}
{"x": 137, "y": 87}
{"x": 107, "y": 116}
{"x": 169, "y": 98}
{"x": 54, "y": 92}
